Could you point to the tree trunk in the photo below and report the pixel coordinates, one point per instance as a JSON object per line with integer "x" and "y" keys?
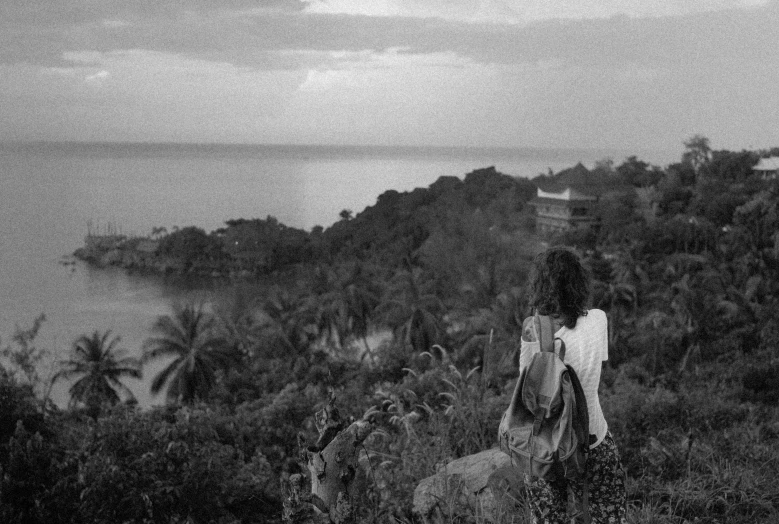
{"x": 335, "y": 472}
{"x": 368, "y": 350}
{"x": 337, "y": 480}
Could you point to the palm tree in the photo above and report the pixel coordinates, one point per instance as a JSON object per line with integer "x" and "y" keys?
{"x": 288, "y": 327}
{"x": 345, "y": 307}
{"x": 411, "y": 311}
{"x": 100, "y": 366}
{"x": 627, "y": 270}
{"x": 709, "y": 308}
{"x": 238, "y": 316}
{"x": 362, "y": 299}
{"x": 620, "y": 301}
{"x": 198, "y": 351}
{"x": 492, "y": 335}
{"x": 327, "y": 305}
{"x": 662, "y": 333}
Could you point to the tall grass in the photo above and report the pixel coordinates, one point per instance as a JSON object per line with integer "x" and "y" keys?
{"x": 694, "y": 450}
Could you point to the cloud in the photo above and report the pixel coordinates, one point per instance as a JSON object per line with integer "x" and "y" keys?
{"x": 143, "y": 95}
{"x": 522, "y": 11}
{"x": 78, "y": 12}
{"x": 115, "y": 23}
{"x": 323, "y": 80}
{"x": 282, "y": 34}
{"x": 38, "y": 31}
{"x": 345, "y": 70}
{"x": 638, "y": 74}
{"x": 83, "y": 57}
{"x": 561, "y": 72}
{"x": 59, "y": 71}
{"x": 98, "y": 77}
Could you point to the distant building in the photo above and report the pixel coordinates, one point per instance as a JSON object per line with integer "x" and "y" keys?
{"x": 767, "y": 168}
{"x": 564, "y": 210}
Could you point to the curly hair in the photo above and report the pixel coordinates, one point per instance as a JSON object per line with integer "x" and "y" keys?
{"x": 559, "y": 285}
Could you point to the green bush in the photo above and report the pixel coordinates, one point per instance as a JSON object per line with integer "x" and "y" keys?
{"x": 761, "y": 383}
{"x": 17, "y": 404}
{"x": 169, "y": 467}
{"x": 32, "y": 475}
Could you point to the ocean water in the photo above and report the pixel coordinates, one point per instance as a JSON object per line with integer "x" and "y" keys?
{"x": 50, "y": 192}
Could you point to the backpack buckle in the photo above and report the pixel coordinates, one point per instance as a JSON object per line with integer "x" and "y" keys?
{"x": 537, "y": 424}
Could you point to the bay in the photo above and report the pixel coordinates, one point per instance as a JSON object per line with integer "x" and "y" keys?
{"x": 50, "y": 192}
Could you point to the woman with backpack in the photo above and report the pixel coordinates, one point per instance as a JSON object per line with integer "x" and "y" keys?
{"x": 560, "y": 288}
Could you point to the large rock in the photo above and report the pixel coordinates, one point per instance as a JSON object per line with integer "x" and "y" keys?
{"x": 484, "y": 485}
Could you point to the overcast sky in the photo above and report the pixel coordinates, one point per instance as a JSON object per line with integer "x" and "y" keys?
{"x": 624, "y": 74}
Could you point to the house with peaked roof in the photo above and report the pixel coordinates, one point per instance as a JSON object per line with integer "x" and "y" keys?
{"x": 767, "y": 168}
{"x": 563, "y": 210}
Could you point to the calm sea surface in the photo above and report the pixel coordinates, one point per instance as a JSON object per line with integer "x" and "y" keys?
{"x": 49, "y": 192}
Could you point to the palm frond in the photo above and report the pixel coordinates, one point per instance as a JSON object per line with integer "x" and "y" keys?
{"x": 126, "y": 371}
{"x": 154, "y": 348}
{"x": 120, "y": 386}
{"x": 66, "y": 374}
{"x": 111, "y": 346}
{"x": 162, "y": 377}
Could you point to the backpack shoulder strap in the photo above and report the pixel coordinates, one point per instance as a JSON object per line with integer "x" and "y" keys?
{"x": 581, "y": 412}
{"x": 546, "y": 339}
{"x": 583, "y": 417}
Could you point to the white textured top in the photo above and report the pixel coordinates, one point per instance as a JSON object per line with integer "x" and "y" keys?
{"x": 586, "y": 347}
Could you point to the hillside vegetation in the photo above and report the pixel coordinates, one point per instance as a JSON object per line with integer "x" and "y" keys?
{"x": 413, "y": 307}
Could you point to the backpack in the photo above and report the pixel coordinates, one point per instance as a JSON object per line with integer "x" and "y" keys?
{"x": 545, "y": 429}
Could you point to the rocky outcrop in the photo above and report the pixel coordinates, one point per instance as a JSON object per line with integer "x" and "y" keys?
{"x": 484, "y": 484}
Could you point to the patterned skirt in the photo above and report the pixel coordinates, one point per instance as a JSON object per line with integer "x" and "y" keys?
{"x": 548, "y": 501}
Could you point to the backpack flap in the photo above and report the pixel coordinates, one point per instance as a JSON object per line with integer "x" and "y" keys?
{"x": 540, "y": 392}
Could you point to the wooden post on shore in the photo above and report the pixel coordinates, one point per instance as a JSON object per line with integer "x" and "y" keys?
{"x": 337, "y": 480}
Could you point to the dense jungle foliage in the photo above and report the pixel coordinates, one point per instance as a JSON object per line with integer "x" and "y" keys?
{"x": 414, "y": 307}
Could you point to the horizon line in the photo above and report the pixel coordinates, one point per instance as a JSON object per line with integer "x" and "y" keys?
{"x": 320, "y": 144}
{"x": 377, "y": 147}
